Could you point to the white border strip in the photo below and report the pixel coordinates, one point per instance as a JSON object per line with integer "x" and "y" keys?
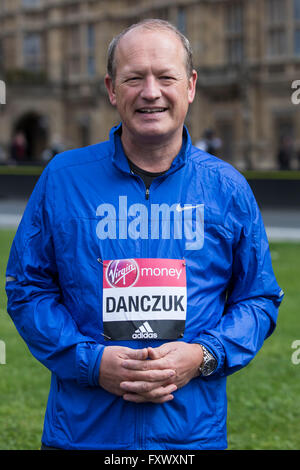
{"x": 9, "y": 220}
{"x": 283, "y": 234}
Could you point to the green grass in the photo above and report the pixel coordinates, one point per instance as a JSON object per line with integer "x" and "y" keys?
{"x": 24, "y": 381}
{"x": 272, "y": 174}
{"x": 31, "y": 170}
{"x": 263, "y": 398}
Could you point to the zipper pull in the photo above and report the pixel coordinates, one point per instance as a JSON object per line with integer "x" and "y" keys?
{"x": 147, "y": 193}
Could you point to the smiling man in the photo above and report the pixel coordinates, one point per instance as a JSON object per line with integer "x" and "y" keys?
{"x": 140, "y": 274}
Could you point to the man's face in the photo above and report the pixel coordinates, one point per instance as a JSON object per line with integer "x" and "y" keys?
{"x": 151, "y": 91}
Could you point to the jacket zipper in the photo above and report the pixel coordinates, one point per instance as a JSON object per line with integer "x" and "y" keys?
{"x": 147, "y": 253}
{"x": 141, "y": 411}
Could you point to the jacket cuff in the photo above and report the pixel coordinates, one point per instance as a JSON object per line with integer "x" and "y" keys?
{"x": 88, "y": 359}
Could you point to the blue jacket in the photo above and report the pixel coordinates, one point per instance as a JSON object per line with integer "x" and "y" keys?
{"x": 90, "y": 224}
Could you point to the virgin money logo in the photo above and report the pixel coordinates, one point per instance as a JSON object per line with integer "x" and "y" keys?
{"x": 122, "y": 273}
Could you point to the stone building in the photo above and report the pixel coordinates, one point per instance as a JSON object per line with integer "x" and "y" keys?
{"x": 246, "y": 52}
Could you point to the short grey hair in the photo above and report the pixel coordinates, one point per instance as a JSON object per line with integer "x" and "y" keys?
{"x": 150, "y": 24}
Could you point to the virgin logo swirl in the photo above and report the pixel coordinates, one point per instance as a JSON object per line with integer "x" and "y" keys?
{"x": 122, "y": 273}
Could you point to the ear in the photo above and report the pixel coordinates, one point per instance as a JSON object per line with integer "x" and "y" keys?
{"x": 110, "y": 89}
{"x": 192, "y": 86}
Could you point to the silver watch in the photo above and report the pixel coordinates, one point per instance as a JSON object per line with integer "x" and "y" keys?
{"x": 209, "y": 363}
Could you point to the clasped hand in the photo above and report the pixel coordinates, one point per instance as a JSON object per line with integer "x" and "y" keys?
{"x": 149, "y": 374}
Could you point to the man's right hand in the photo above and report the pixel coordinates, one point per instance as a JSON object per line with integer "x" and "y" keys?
{"x": 112, "y": 373}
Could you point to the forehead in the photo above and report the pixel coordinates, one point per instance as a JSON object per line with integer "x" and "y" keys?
{"x": 141, "y": 45}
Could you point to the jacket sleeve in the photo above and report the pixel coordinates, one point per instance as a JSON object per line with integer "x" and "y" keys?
{"x": 34, "y": 298}
{"x": 253, "y": 295}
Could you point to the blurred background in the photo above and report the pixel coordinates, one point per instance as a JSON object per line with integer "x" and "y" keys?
{"x": 247, "y": 54}
{"x": 246, "y": 111}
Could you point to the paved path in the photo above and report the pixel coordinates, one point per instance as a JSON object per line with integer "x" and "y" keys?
{"x": 11, "y": 211}
{"x": 281, "y": 224}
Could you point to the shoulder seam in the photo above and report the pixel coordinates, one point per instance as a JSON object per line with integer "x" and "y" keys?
{"x": 218, "y": 170}
{"x": 90, "y": 151}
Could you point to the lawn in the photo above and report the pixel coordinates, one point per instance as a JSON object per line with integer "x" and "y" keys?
{"x": 23, "y": 380}
{"x": 263, "y": 398}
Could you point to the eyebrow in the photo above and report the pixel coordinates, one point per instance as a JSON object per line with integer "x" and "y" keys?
{"x": 167, "y": 71}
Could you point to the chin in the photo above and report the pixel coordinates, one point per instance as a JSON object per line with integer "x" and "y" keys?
{"x": 156, "y": 130}
{"x": 152, "y": 135}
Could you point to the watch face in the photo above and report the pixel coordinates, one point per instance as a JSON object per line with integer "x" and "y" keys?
{"x": 209, "y": 363}
{"x": 209, "y": 366}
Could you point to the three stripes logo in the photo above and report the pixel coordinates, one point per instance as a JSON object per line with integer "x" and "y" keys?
{"x": 144, "y": 332}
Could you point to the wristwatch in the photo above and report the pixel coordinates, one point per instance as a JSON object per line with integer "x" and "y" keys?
{"x": 209, "y": 363}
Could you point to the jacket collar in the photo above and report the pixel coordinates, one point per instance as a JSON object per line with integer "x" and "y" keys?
{"x": 119, "y": 158}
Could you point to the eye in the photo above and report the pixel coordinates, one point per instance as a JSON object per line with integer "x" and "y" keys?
{"x": 166, "y": 78}
{"x": 132, "y": 79}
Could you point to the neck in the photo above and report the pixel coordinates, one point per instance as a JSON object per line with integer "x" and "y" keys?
{"x": 150, "y": 155}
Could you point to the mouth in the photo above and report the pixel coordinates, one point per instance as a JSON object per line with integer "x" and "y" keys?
{"x": 151, "y": 110}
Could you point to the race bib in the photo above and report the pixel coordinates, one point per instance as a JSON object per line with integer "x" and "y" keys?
{"x": 144, "y": 299}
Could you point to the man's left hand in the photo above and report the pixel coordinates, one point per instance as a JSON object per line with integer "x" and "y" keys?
{"x": 184, "y": 358}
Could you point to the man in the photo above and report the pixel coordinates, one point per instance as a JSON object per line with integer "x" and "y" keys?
{"x": 140, "y": 274}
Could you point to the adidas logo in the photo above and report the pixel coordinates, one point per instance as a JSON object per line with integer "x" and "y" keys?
{"x": 144, "y": 332}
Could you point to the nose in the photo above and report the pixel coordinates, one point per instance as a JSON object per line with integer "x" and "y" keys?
{"x": 151, "y": 89}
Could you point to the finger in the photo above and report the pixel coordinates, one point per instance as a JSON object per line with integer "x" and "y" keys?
{"x": 137, "y": 354}
{"x": 155, "y": 353}
{"x": 161, "y": 392}
{"x": 158, "y": 395}
{"x": 158, "y": 364}
{"x": 138, "y": 386}
{"x": 140, "y": 399}
{"x": 142, "y": 387}
{"x": 161, "y": 351}
{"x": 152, "y": 376}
